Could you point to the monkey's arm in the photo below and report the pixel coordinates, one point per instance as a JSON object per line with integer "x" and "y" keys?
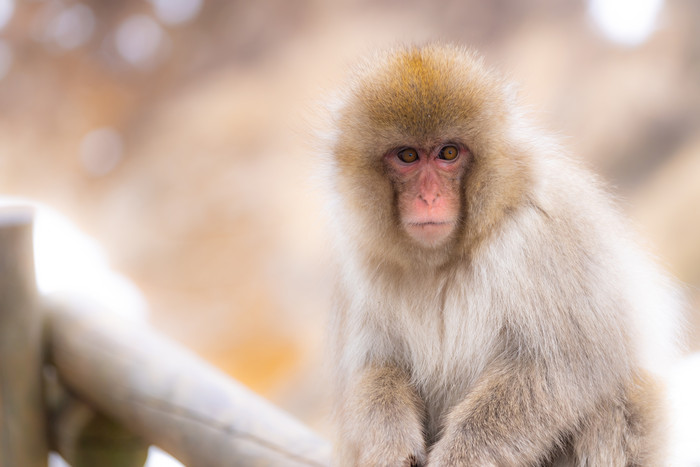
{"x": 517, "y": 413}
{"x": 381, "y": 421}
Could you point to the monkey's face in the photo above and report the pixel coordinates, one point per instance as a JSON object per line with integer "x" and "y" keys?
{"x": 424, "y": 159}
{"x": 427, "y": 186}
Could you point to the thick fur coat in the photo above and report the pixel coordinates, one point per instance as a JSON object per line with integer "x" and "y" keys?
{"x": 533, "y": 335}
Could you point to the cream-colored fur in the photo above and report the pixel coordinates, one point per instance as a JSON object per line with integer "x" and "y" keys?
{"x": 532, "y": 336}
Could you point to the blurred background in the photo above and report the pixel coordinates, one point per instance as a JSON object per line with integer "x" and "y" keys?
{"x": 178, "y": 135}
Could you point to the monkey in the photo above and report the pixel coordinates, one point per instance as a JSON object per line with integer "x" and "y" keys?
{"x": 491, "y": 307}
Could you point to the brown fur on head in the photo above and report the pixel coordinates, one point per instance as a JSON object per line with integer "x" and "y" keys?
{"x": 423, "y": 97}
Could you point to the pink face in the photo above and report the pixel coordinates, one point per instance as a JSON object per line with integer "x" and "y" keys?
{"x": 428, "y": 185}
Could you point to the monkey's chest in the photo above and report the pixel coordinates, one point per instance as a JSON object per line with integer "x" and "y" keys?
{"x": 447, "y": 348}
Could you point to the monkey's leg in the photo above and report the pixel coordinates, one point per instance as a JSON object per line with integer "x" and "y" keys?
{"x": 517, "y": 415}
{"x": 631, "y": 428}
{"x": 601, "y": 438}
{"x": 381, "y": 421}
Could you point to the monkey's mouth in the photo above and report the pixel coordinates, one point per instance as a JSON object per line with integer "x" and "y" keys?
{"x": 422, "y": 224}
{"x": 429, "y": 224}
{"x": 430, "y": 233}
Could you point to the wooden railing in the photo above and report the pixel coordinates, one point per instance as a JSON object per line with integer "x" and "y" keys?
{"x": 99, "y": 389}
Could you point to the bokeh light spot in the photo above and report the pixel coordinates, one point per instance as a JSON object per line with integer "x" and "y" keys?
{"x": 138, "y": 40}
{"x": 71, "y": 27}
{"x": 627, "y": 22}
{"x": 7, "y": 8}
{"x": 176, "y": 11}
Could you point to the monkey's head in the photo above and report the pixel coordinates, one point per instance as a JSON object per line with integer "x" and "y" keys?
{"x": 425, "y": 157}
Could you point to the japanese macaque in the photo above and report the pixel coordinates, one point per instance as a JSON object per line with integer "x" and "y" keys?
{"x": 491, "y": 309}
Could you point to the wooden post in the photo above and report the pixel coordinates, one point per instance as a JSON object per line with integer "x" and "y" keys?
{"x": 85, "y": 437}
{"x": 22, "y": 425}
{"x": 168, "y": 396}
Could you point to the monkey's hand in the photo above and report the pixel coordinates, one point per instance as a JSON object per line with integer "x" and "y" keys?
{"x": 382, "y": 421}
{"x": 513, "y": 417}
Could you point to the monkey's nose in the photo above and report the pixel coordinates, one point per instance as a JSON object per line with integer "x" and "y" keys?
{"x": 429, "y": 198}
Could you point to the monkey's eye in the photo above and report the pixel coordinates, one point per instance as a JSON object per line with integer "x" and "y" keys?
{"x": 407, "y": 155}
{"x": 448, "y": 153}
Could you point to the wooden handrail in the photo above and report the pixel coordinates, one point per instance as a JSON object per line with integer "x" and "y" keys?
{"x": 170, "y": 397}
